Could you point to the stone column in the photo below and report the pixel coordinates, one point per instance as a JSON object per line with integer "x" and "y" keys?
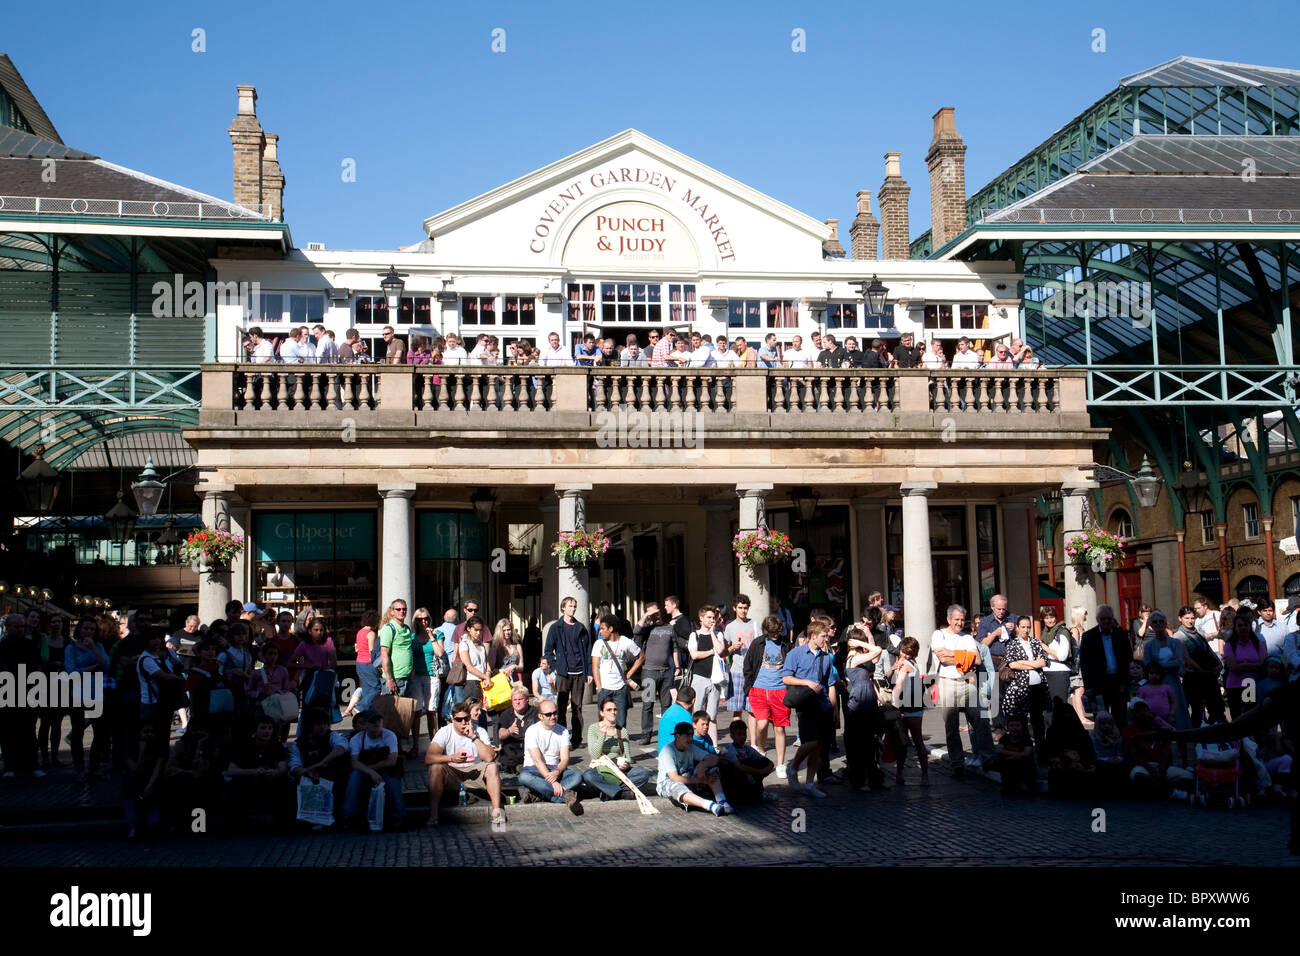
{"x": 550, "y": 566}
{"x": 214, "y": 586}
{"x": 753, "y": 516}
{"x": 1080, "y": 587}
{"x": 718, "y": 554}
{"x": 243, "y": 586}
{"x": 572, "y": 581}
{"x": 1165, "y": 591}
{"x": 918, "y": 566}
{"x": 1021, "y": 578}
{"x": 870, "y": 515}
{"x": 395, "y": 542}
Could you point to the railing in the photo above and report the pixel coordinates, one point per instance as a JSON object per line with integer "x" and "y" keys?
{"x": 136, "y": 208}
{"x": 155, "y": 388}
{"x": 569, "y": 397}
{"x": 1256, "y": 386}
{"x": 1135, "y": 215}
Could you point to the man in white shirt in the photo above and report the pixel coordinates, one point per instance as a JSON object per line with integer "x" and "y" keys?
{"x": 546, "y": 770}
{"x": 459, "y": 752}
{"x": 478, "y": 354}
{"x": 1207, "y": 619}
{"x": 290, "y": 352}
{"x": 453, "y": 353}
{"x": 702, "y": 355}
{"x": 965, "y": 357}
{"x": 607, "y": 666}
{"x": 959, "y": 658}
{"x": 554, "y": 354}
{"x": 262, "y": 350}
{"x": 728, "y": 359}
{"x": 374, "y": 763}
{"x": 795, "y": 356}
{"x": 633, "y": 356}
{"x": 327, "y": 353}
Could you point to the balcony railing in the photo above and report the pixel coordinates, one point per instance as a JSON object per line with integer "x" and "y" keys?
{"x": 531, "y": 397}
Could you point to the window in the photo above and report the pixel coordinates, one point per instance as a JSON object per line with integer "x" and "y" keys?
{"x": 478, "y": 310}
{"x": 1207, "y": 527}
{"x": 681, "y": 304}
{"x": 744, "y": 313}
{"x": 582, "y": 301}
{"x": 965, "y": 316}
{"x": 842, "y": 315}
{"x": 299, "y": 308}
{"x": 782, "y": 314}
{"x": 1123, "y": 523}
{"x": 1295, "y": 512}
{"x": 623, "y": 302}
{"x": 1251, "y": 515}
{"x": 519, "y": 310}
{"x": 373, "y": 310}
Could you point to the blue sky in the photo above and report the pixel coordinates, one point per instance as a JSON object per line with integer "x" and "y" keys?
{"x": 432, "y": 116}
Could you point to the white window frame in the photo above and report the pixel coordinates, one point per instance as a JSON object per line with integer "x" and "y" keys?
{"x": 1207, "y": 527}
{"x": 286, "y": 309}
{"x": 1250, "y": 516}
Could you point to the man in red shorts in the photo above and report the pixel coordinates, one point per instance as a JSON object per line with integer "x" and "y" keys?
{"x": 762, "y": 671}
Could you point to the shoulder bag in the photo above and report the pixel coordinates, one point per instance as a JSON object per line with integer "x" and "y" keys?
{"x": 801, "y": 697}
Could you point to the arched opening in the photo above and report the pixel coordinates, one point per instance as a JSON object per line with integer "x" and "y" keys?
{"x": 1121, "y": 522}
{"x": 1253, "y": 587}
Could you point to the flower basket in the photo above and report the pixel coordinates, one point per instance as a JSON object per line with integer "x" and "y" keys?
{"x": 578, "y": 549}
{"x": 764, "y": 546}
{"x": 1096, "y": 548}
{"x": 208, "y": 549}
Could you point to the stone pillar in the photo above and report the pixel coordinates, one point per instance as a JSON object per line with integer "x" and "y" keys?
{"x": 918, "y": 566}
{"x": 572, "y": 581}
{"x": 1080, "y": 587}
{"x": 1165, "y": 592}
{"x": 718, "y": 554}
{"x": 550, "y": 566}
{"x": 395, "y": 542}
{"x": 214, "y": 586}
{"x": 242, "y": 586}
{"x": 1021, "y": 578}
{"x": 755, "y": 581}
{"x": 870, "y": 516}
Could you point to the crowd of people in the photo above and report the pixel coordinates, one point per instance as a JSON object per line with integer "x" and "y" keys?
{"x": 1070, "y": 707}
{"x": 671, "y": 348}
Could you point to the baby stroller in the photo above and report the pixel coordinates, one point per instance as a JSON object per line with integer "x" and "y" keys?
{"x": 1218, "y": 776}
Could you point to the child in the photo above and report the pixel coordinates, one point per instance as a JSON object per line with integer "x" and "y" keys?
{"x": 543, "y": 683}
{"x": 743, "y": 767}
{"x": 700, "y": 722}
{"x": 1158, "y": 695}
{"x": 1015, "y": 758}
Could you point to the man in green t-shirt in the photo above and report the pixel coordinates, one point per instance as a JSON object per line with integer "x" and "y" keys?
{"x": 395, "y": 649}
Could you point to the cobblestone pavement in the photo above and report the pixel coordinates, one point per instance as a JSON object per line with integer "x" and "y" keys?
{"x": 954, "y": 822}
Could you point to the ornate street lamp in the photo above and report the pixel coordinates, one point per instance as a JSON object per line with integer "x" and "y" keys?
{"x": 875, "y": 294}
{"x": 1146, "y": 483}
{"x": 148, "y": 490}
{"x": 121, "y": 521}
{"x": 484, "y": 504}
{"x": 392, "y": 284}
{"x": 804, "y": 500}
{"x": 39, "y": 483}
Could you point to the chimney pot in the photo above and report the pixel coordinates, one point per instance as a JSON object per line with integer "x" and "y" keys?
{"x": 247, "y": 100}
{"x": 893, "y": 169}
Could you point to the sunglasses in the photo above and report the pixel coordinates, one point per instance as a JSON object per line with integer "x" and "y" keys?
{"x": 547, "y": 713}
{"x": 460, "y": 720}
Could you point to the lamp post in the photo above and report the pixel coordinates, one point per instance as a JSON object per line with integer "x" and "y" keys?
{"x": 874, "y": 293}
{"x": 392, "y": 284}
{"x": 39, "y": 483}
{"x": 804, "y": 500}
{"x": 121, "y": 521}
{"x": 484, "y": 504}
{"x": 148, "y": 490}
{"x": 1146, "y": 482}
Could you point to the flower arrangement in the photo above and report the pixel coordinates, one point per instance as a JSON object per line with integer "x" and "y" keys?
{"x": 1098, "y": 548}
{"x": 211, "y": 547}
{"x": 578, "y": 548}
{"x": 763, "y": 546}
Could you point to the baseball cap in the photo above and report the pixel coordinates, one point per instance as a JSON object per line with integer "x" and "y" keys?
{"x": 251, "y": 608}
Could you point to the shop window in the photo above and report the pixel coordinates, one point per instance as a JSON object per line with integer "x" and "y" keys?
{"x": 451, "y": 561}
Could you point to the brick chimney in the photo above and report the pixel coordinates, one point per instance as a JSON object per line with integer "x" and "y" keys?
{"x": 892, "y": 196}
{"x": 864, "y": 229}
{"x": 947, "y": 162}
{"x": 831, "y": 248}
{"x": 272, "y": 178}
{"x": 248, "y": 141}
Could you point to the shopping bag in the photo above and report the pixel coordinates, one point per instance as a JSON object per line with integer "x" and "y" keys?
{"x": 375, "y": 812}
{"x": 496, "y": 694}
{"x": 398, "y": 713}
{"x": 316, "y": 802}
{"x": 281, "y": 707}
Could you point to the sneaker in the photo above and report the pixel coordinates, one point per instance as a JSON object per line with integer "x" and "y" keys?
{"x": 716, "y": 809}
{"x": 571, "y": 801}
{"x": 728, "y": 809}
{"x": 812, "y": 791}
{"x": 498, "y": 821}
{"x": 780, "y": 770}
{"x": 792, "y": 778}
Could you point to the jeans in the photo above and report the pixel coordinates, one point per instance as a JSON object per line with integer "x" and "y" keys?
{"x": 368, "y": 674}
{"x": 534, "y": 781}
{"x": 654, "y": 683}
{"x": 957, "y": 696}
{"x": 620, "y": 697}
{"x": 1203, "y": 697}
{"x": 358, "y": 796}
{"x": 639, "y": 776}
{"x": 452, "y": 694}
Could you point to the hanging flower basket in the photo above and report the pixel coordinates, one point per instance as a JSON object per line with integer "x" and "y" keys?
{"x": 764, "y": 546}
{"x": 1096, "y": 548}
{"x": 577, "y": 549}
{"x": 208, "y": 549}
